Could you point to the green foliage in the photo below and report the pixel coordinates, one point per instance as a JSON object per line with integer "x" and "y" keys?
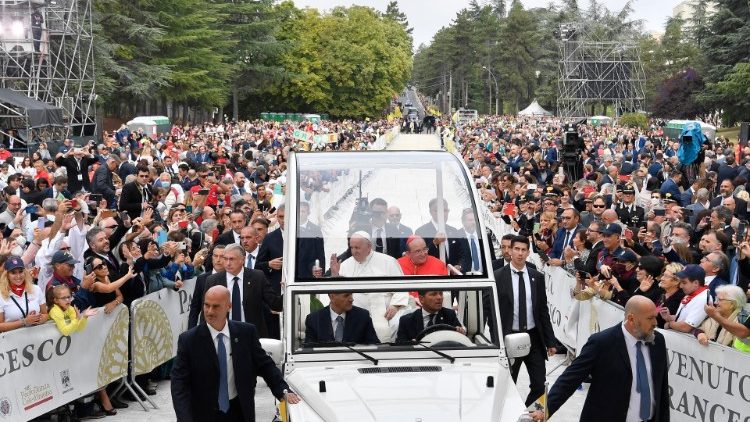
{"x": 349, "y": 62}
{"x": 634, "y": 120}
{"x": 733, "y": 92}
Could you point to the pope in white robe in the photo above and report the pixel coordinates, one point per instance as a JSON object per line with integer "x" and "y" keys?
{"x": 385, "y": 308}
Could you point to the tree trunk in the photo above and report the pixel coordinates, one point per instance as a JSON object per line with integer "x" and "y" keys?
{"x": 235, "y": 103}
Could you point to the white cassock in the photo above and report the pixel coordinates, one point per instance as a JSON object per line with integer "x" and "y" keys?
{"x": 378, "y": 265}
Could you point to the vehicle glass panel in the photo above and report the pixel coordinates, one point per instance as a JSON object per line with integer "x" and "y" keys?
{"x": 378, "y": 214}
{"x": 365, "y": 322}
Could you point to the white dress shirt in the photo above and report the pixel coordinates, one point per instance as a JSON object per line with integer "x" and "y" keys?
{"x": 230, "y": 286}
{"x": 469, "y": 238}
{"x": 231, "y": 387}
{"x": 254, "y": 253}
{"x": 634, "y": 406}
{"x": 529, "y": 311}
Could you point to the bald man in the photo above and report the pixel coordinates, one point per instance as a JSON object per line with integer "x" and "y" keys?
{"x": 213, "y": 377}
{"x": 633, "y": 354}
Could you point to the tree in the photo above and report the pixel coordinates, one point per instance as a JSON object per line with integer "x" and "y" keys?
{"x": 675, "y": 98}
{"x": 733, "y": 92}
{"x": 349, "y": 62}
{"x": 520, "y": 42}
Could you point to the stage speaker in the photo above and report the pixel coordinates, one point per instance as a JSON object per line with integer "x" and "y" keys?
{"x": 744, "y": 133}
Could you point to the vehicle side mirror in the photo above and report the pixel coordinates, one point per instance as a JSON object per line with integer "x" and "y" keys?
{"x": 517, "y": 345}
{"x": 273, "y": 349}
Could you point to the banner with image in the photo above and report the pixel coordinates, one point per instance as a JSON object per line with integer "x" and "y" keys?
{"x": 158, "y": 320}
{"x": 41, "y": 370}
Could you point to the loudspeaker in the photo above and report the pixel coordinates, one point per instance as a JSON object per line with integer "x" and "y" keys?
{"x": 744, "y": 133}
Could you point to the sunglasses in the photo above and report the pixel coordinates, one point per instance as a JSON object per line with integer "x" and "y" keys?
{"x": 599, "y": 206}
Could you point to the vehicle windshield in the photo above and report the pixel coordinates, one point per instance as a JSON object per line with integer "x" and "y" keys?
{"x": 385, "y": 320}
{"x": 385, "y": 215}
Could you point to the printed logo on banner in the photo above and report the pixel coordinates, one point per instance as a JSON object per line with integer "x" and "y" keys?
{"x": 65, "y": 381}
{"x": 33, "y": 396}
{"x": 5, "y": 407}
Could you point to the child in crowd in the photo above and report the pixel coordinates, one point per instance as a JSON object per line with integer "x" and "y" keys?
{"x": 66, "y": 316}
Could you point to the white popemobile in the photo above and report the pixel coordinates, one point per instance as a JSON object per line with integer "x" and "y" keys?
{"x": 440, "y": 375}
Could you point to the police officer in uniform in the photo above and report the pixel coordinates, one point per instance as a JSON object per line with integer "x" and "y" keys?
{"x": 627, "y": 211}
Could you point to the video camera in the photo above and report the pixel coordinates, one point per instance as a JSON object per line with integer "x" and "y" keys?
{"x": 361, "y": 214}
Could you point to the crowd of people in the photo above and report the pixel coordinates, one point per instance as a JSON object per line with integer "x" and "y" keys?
{"x": 91, "y": 227}
{"x": 637, "y": 223}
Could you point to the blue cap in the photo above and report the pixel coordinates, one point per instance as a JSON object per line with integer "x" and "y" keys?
{"x": 62, "y": 257}
{"x": 626, "y": 255}
{"x": 13, "y": 262}
{"x": 692, "y": 272}
{"x": 612, "y": 228}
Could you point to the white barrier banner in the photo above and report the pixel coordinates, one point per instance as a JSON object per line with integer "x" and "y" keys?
{"x": 706, "y": 383}
{"x": 41, "y": 370}
{"x": 158, "y": 320}
{"x": 563, "y": 308}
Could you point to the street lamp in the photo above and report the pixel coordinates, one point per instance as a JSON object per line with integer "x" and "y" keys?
{"x": 497, "y": 91}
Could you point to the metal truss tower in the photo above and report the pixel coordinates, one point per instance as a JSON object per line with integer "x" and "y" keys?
{"x": 597, "y": 72}
{"x": 47, "y": 53}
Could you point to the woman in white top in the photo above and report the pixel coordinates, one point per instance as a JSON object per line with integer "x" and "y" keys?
{"x": 22, "y": 303}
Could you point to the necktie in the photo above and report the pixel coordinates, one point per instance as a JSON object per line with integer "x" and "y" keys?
{"x": 379, "y": 240}
{"x": 236, "y": 300}
{"x": 567, "y": 237}
{"x": 338, "y": 335}
{"x": 521, "y": 302}
{"x": 431, "y": 322}
{"x": 642, "y": 382}
{"x": 250, "y": 259}
{"x": 221, "y": 354}
{"x": 474, "y": 255}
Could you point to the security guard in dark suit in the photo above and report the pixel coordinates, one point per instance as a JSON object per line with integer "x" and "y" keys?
{"x": 627, "y": 211}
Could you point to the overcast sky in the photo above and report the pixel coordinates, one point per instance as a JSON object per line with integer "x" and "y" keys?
{"x": 427, "y": 16}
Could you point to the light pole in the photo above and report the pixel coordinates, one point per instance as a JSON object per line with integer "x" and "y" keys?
{"x": 497, "y": 91}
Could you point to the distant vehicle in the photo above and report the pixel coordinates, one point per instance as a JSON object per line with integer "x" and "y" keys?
{"x": 314, "y": 118}
{"x": 151, "y": 125}
{"x": 412, "y": 110}
{"x": 408, "y": 104}
{"x": 441, "y": 374}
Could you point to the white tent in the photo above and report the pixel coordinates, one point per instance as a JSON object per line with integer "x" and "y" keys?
{"x": 534, "y": 109}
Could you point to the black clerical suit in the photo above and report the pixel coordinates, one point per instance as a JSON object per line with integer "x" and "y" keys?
{"x": 605, "y": 358}
{"x": 195, "y": 374}
{"x": 410, "y": 325}
{"x": 541, "y": 334}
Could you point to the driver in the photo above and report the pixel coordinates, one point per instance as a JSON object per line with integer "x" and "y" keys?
{"x": 340, "y": 321}
{"x": 432, "y": 313}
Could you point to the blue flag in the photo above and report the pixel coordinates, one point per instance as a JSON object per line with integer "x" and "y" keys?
{"x": 689, "y": 148}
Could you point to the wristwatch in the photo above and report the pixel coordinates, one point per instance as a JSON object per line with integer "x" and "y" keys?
{"x": 285, "y": 391}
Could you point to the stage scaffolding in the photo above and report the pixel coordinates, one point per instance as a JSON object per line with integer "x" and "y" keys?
{"x": 593, "y": 71}
{"x": 47, "y": 54}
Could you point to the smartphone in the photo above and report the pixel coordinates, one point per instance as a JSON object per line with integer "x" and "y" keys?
{"x": 628, "y": 234}
{"x": 183, "y": 224}
{"x": 88, "y": 268}
{"x": 272, "y": 210}
{"x": 182, "y": 246}
{"x": 161, "y": 237}
{"x": 509, "y": 209}
{"x": 584, "y": 275}
{"x": 124, "y": 216}
{"x": 95, "y": 197}
{"x": 741, "y": 228}
{"x": 189, "y": 208}
{"x": 31, "y": 209}
{"x": 41, "y": 222}
{"x": 537, "y": 227}
{"x": 203, "y": 192}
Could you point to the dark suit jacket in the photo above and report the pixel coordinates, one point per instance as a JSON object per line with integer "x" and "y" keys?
{"x": 103, "y": 184}
{"x": 196, "y": 303}
{"x": 195, "y": 374}
{"x": 394, "y": 242}
{"x": 131, "y": 200}
{"x": 558, "y": 247}
{"x": 538, "y": 304}
{"x": 126, "y": 169}
{"x": 226, "y": 238}
{"x": 310, "y": 246}
{"x": 590, "y": 264}
{"x": 455, "y": 248}
{"x": 605, "y": 358}
{"x": 272, "y": 248}
{"x": 74, "y": 185}
{"x": 410, "y": 325}
{"x": 257, "y": 292}
{"x": 358, "y": 327}
{"x": 463, "y": 243}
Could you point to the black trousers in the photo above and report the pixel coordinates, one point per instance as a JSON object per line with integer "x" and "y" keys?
{"x": 233, "y": 415}
{"x": 535, "y": 366}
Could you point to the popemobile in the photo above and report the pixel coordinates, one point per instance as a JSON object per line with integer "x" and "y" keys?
{"x": 374, "y": 328}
